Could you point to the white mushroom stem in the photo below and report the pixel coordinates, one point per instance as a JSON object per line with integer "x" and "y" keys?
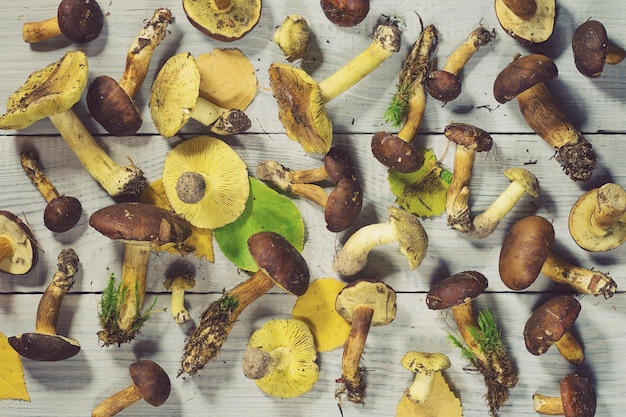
{"x": 352, "y": 257}
{"x": 548, "y": 405}
{"x": 133, "y": 284}
{"x": 34, "y": 32}
{"x": 583, "y": 280}
{"x": 206, "y": 112}
{"x": 420, "y": 388}
{"x": 116, "y": 180}
{"x": 570, "y": 348}
{"x": 461, "y": 55}
{"x": 177, "y": 306}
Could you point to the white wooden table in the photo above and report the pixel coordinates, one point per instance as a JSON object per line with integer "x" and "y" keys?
{"x": 596, "y": 107}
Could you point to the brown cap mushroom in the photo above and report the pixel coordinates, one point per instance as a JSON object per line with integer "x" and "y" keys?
{"x": 150, "y": 383}
{"x": 18, "y": 248}
{"x": 590, "y": 45}
{"x": 224, "y": 20}
{"x": 141, "y": 227}
{"x": 528, "y": 21}
{"x": 51, "y": 92}
{"x": 550, "y": 324}
{"x": 345, "y": 13}
{"x": 363, "y": 303}
{"x": 44, "y": 344}
{"x": 577, "y": 399}
{"x": 279, "y": 264}
{"x": 80, "y": 21}
{"x": 597, "y": 220}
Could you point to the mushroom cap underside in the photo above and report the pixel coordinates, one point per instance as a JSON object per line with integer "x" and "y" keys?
{"x": 549, "y": 322}
{"x": 151, "y": 381}
{"x": 536, "y": 29}
{"x": 22, "y": 241}
{"x": 375, "y": 295}
{"x": 521, "y": 74}
{"x": 457, "y": 289}
{"x": 224, "y": 20}
{"x": 44, "y": 347}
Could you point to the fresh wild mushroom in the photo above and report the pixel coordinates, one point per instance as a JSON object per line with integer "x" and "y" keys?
{"x": 51, "y": 92}
{"x": 178, "y": 283}
{"x": 345, "y": 13}
{"x": 112, "y": 103}
{"x": 397, "y": 151}
{"x": 141, "y": 228}
{"x": 279, "y": 264}
{"x": 18, "y": 247}
{"x": 527, "y": 251}
{"x": 425, "y": 365}
{"x": 223, "y": 20}
{"x": 175, "y": 98}
{"x": 44, "y": 344}
{"x": 62, "y": 211}
{"x": 150, "y": 383}
{"x": 364, "y": 304}
{"x": 293, "y": 37}
{"x": 577, "y": 399}
{"x": 80, "y": 21}
{"x": 528, "y": 21}
{"x": 550, "y": 324}
{"x": 590, "y": 45}
{"x": 525, "y": 79}
{"x": 301, "y": 99}
{"x": 280, "y": 358}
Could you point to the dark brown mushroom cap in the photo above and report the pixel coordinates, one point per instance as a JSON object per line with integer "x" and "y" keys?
{"x": 443, "y": 85}
{"x": 457, "y": 289}
{"x": 469, "y": 136}
{"x": 377, "y": 295}
{"x": 343, "y": 205}
{"x": 338, "y": 164}
{"x": 522, "y": 74}
{"x": 62, "y": 213}
{"x": 550, "y": 322}
{"x": 44, "y": 347}
{"x": 345, "y": 13}
{"x": 139, "y": 222}
{"x": 590, "y": 45}
{"x": 578, "y": 396}
{"x": 524, "y": 251}
{"x": 280, "y": 261}
{"x": 80, "y": 21}
{"x": 25, "y": 252}
{"x": 151, "y": 381}
{"x": 395, "y": 153}
{"x": 112, "y": 107}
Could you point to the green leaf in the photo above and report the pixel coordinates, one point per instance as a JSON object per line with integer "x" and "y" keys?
{"x": 422, "y": 192}
{"x": 266, "y": 210}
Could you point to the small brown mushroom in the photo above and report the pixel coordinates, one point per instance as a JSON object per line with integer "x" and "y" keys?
{"x": 345, "y": 13}
{"x": 279, "y": 264}
{"x": 364, "y": 304}
{"x": 550, "y": 324}
{"x": 224, "y": 20}
{"x": 528, "y": 21}
{"x": 80, "y": 21}
{"x": 18, "y": 248}
{"x": 577, "y": 399}
{"x": 44, "y": 344}
{"x": 590, "y": 45}
{"x": 150, "y": 383}
{"x": 527, "y": 251}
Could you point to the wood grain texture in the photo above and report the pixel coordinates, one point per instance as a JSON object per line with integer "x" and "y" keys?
{"x": 596, "y": 107}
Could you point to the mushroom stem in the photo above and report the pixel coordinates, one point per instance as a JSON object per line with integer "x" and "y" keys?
{"x": 457, "y": 199}
{"x": 34, "y": 32}
{"x": 352, "y": 373}
{"x": 177, "y": 306}
{"x": 615, "y": 55}
{"x": 461, "y": 55}
{"x": 420, "y": 388}
{"x": 548, "y": 405}
{"x": 386, "y": 42}
{"x": 117, "y": 402}
{"x": 358, "y": 246}
{"x": 133, "y": 285}
{"x": 610, "y": 208}
{"x": 118, "y": 181}
{"x": 222, "y": 121}
{"x": 294, "y": 181}
{"x": 570, "y": 348}
{"x": 581, "y": 279}
{"x": 38, "y": 177}
{"x": 466, "y": 323}
{"x": 524, "y": 9}
{"x": 487, "y": 221}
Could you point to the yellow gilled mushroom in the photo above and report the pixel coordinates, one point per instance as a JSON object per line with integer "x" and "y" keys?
{"x": 206, "y": 182}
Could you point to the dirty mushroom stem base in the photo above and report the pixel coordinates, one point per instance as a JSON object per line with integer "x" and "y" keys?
{"x": 352, "y": 373}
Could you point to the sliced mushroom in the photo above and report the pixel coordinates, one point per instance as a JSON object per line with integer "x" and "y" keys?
{"x": 528, "y": 21}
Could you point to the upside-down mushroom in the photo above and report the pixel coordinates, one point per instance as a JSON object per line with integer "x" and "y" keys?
{"x": 80, "y": 21}
{"x": 18, "y": 248}
{"x": 528, "y": 21}
{"x": 590, "y": 45}
{"x": 223, "y": 20}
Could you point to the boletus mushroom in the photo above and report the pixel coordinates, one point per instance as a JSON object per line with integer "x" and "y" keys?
{"x": 528, "y": 21}
{"x": 525, "y": 79}
{"x": 301, "y": 99}
{"x": 51, "y": 92}
{"x": 279, "y": 264}
{"x": 577, "y": 399}
{"x": 112, "y": 103}
{"x": 224, "y": 20}
{"x": 80, "y": 21}
{"x": 44, "y": 344}
{"x": 590, "y": 45}
{"x": 150, "y": 383}
{"x": 364, "y": 304}
{"x": 345, "y": 13}
{"x": 142, "y": 228}
{"x": 18, "y": 247}
{"x": 527, "y": 251}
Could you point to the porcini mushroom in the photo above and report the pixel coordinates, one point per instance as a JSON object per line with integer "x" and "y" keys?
{"x": 550, "y": 324}
{"x": 224, "y": 20}
{"x": 280, "y": 358}
{"x": 44, "y": 344}
{"x": 402, "y": 227}
{"x": 175, "y": 98}
{"x": 364, "y": 304}
{"x": 80, "y": 21}
{"x": 597, "y": 220}
{"x": 407, "y": 108}
{"x": 62, "y": 211}
{"x": 590, "y": 45}
{"x": 51, "y": 92}
{"x": 345, "y": 13}
{"x": 525, "y": 79}
{"x": 178, "y": 284}
{"x": 445, "y": 84}
{"x": 527, "y": 251}
{"x": 18, "y": 248}
{"x": 279, "y": 264}
{"x": 341, "y": 206}
{"x": 485, "y": 348}
{"x": 577, "y": 399}
{"x": 141, "y": 227}
{"x": 150, "y": 383}
{"x": 293, "y": 37}
{"x": 425, "y": 365}
{"x": 528, "y": 21}
{"x": 301, "y": 99}
{"x": 112, "y": 103}
{"x": 206, "y": 182}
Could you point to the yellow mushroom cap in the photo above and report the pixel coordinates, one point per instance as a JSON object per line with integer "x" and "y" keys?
{"x": 210, "y": 162}
{"x": 224, "y": 20}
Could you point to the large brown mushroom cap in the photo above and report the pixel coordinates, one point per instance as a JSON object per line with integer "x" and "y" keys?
{"x": 80, "y": 21}
{"x": 457, "y": 289}
{"x": 112, "y": 107}
{"x": 397, "y": 154}
{"x": 527, "y": 26}
{"x": 550, "y": 322}
{"x": 224, "y": 20}
{"x": 578, "y": 396}
{"x": 18, "y": 241}
{"x": 376, "y": 295}
{"x": 151, "y": 381}
{"x": 521, "y": 74}
{"x": 590, "y": 45}
{"x": 44, "y": 347}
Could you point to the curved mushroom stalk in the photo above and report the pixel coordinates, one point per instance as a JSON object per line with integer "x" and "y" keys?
{"x": 583, "y": 280}
{"x": 528, "y": 21}
{"x": 80, "y": 21}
